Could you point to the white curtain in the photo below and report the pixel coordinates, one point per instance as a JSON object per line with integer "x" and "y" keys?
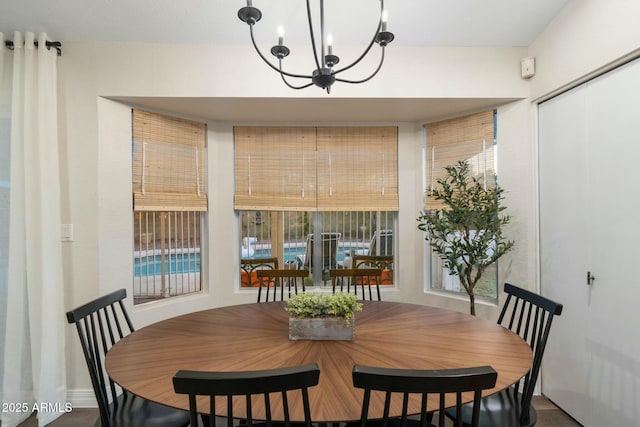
{"x": 33, "y": 337}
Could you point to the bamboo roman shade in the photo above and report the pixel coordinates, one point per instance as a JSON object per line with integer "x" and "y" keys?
{"x": 168, "y": 163}
{"x": 470, "y": 138}
{"x": 358, "y": 169}
{"x": 275, "y": 168}
{"x": 316, "y": 169}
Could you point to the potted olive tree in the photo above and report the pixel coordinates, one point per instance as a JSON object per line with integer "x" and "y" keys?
{"x": 467, "y": 232}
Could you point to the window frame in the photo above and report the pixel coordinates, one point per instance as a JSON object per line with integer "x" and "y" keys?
{"x": 176, "y": 188}
{"x": 459, "y": 130}
{"x": 356, "y": 235}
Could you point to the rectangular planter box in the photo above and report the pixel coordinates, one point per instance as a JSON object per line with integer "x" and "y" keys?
{"x": 321, "y": 328}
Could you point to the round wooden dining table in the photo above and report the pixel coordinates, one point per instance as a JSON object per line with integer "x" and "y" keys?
{"x": 255, "y": 336}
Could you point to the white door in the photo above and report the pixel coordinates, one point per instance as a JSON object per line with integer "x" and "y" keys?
{"x": 589, "y": 157}
{"x": 563, "y": 247}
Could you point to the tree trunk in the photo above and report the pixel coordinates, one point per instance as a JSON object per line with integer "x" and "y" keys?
{"x": 472, "y": 304}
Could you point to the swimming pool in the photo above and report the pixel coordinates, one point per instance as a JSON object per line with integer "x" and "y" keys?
{"x": 178, "y": 263}
{"x": 291, "y": 254}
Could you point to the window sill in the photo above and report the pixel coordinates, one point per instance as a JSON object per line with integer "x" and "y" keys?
{"x": 489, "y": 302}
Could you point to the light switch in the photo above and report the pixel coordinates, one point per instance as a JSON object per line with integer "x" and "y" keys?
{"x": 66, "y": 232}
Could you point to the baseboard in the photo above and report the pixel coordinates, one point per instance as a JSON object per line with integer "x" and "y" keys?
{"x": 82, "y": 398}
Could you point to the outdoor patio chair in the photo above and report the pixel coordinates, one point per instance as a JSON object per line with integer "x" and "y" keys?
{"x": 383, "y": 262}
{"x": 329, "y": 248}
{"x": 381, "y": 243}
{"x": 249, "y": 267}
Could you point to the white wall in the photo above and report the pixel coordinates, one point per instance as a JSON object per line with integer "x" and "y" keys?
{"x": 205, "y": 71}
{"x": 586, "y": 37}
{"x": 96, "y": 146}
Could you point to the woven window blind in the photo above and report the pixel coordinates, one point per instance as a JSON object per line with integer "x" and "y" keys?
{"x": 358, "y": 169}
{"x": 470, "y": 138}
{"x": 316, "y": 169}
{"x": 275, "y": 168}
{"x": 168, "y": 163}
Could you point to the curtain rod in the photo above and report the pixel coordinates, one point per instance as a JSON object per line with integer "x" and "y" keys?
{"x": 56, "y": 45}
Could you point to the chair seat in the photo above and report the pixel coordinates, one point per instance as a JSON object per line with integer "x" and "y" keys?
{"x": 498, "y": 410}
{"x": 393, "y": 422}
{"x": 134, "y": 411}
{"x": 412, "y": 421}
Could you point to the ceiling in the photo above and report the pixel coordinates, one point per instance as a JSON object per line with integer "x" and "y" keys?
{"x": 352, "y": 22}
{"x": 414, "y": 22}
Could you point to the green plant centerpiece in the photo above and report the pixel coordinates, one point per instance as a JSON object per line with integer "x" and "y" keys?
{"x": 467, "y": 232}
{"x": 309, "y": 304}
{"x": 322, "y": 316}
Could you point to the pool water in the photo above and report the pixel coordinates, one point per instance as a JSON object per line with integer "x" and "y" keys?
{"x": 175, "y": 264}
{"x": 291, "y": 254}
{"x": 190, "y": 262}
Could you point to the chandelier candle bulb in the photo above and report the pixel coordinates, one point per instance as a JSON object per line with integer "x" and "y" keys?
{"x": 329, "y": 43}
{"x": 384, "y": 21}
{"x": 280, "y": 35}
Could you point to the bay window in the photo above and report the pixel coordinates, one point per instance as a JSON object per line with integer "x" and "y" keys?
{"x": 315, "y": 197}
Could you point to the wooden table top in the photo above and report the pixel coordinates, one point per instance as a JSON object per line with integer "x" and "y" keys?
{"x": 255, "y": 336}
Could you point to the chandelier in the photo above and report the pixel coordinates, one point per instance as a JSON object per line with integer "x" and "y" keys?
{"x": 324, "y": 75}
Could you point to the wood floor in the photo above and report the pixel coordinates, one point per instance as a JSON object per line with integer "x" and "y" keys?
{"x": 548, "y": 416}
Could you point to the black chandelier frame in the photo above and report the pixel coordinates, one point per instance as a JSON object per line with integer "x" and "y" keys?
{"x": 324, "y": 75}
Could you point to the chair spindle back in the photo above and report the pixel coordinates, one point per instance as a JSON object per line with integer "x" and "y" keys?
{"x": 101, "y": 324}
{"x": 423, "y": 382}
{"x": 247, "y": 383}
{"x": 528, "y": 315}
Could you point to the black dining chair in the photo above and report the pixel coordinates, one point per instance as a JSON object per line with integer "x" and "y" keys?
{"x": 275, "y": 385}
{"x": 528, "y": 315}
{"x": 353, "y": 279}
{"x": 280, "y": 283}
{"x": 405, "y": 382}
{"x": 100, "y": 324}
